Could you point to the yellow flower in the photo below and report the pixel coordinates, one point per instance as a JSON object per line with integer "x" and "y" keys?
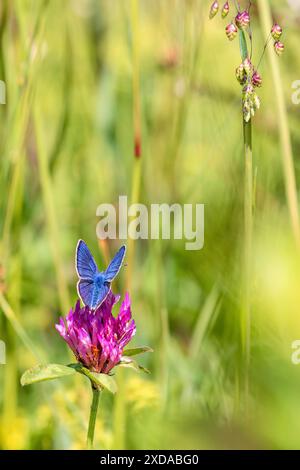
{"x": 142, "y": 393}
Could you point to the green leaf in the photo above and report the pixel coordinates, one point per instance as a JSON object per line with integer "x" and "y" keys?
{"x": 100, "y": 381}
{"x": 135, "y": 351}
{"x": 243, "y": 45}
{"x": 41, "y": 373}
{"x": 104, "y": 381}
{"x": 131, "y": 364}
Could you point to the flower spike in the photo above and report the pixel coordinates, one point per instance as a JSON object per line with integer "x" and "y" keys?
{"x": 279, "y": 47}
{"x": 242, "y": 19}
{"x": 276, "y": 31}
{"x": 256, "y": 79}
{"x": 240, "y": 74}
{"x": 231, "y": 31}
{"x": 248, "y": 67}
{"x": 214, "y": 9}
{"x": 225, "y": 10}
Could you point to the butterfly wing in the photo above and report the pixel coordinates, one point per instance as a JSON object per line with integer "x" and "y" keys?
{"x": 85, "y": 289}
{"x": 85, "y": 264}
{"x": 91, "y": 294}
{"x": 115, "y": 265}
{"x": 99, "y": 295}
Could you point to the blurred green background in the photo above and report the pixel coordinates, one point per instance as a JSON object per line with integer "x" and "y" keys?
{"x": 66, "y": 139}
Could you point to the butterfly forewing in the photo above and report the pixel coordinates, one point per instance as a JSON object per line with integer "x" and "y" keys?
{"x": 115, "y": 265}
{"x": 85, "y": 263}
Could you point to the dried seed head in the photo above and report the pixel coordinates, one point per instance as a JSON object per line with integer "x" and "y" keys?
{"x": 240, "y": 74}
{"x": 225, "y": 10}
{"x": 214, "y": 9}
{"x": 242, "y": 19}
{"x": 248, "y": 108}
{"x": 231, "y": 31}
{"x": 276, "y": 31}
{"x": 278, "y": 47}
{"x": 247, "y": 113}
{"x": 248, "y": 67}
{"x": 248, "y": 90}
{"x": 256, "y": 79}
{"x": 256, "y": 101}
{"x": 251, "y": 102}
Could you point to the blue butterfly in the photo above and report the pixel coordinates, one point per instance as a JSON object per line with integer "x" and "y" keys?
{"x": 93, "y": 285}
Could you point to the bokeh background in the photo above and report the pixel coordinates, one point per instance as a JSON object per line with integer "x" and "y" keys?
{"x": 66, "y": 140}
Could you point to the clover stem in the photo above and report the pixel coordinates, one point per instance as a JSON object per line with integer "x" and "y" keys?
{"x": 93, "y": 416}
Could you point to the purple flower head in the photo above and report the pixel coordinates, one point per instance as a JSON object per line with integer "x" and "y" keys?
{"x": 242, "y": 19}
{"x": 96, "y": 337}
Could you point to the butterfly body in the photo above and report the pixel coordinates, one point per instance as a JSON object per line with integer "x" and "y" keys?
{"x": 94, "y": 285}
{"x": 99, "y": 279}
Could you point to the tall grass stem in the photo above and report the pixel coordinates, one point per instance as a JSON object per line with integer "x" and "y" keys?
{"x": 283, "y": 126}
{"x": 248, "y": 227}
{"x": 120, "y": 406}
{"x": 50, "y": 211}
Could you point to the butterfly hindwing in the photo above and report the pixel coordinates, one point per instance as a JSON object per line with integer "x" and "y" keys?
{"x": 92, "y": 294}
{"x": 85, "y": 290}
{"x": 99, "y": 295}
{"x": 115, "y": 265}
{"x": 85, "y": 263}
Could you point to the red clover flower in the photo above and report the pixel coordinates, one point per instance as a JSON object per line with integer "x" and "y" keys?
{"x": 96, "y": 337}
